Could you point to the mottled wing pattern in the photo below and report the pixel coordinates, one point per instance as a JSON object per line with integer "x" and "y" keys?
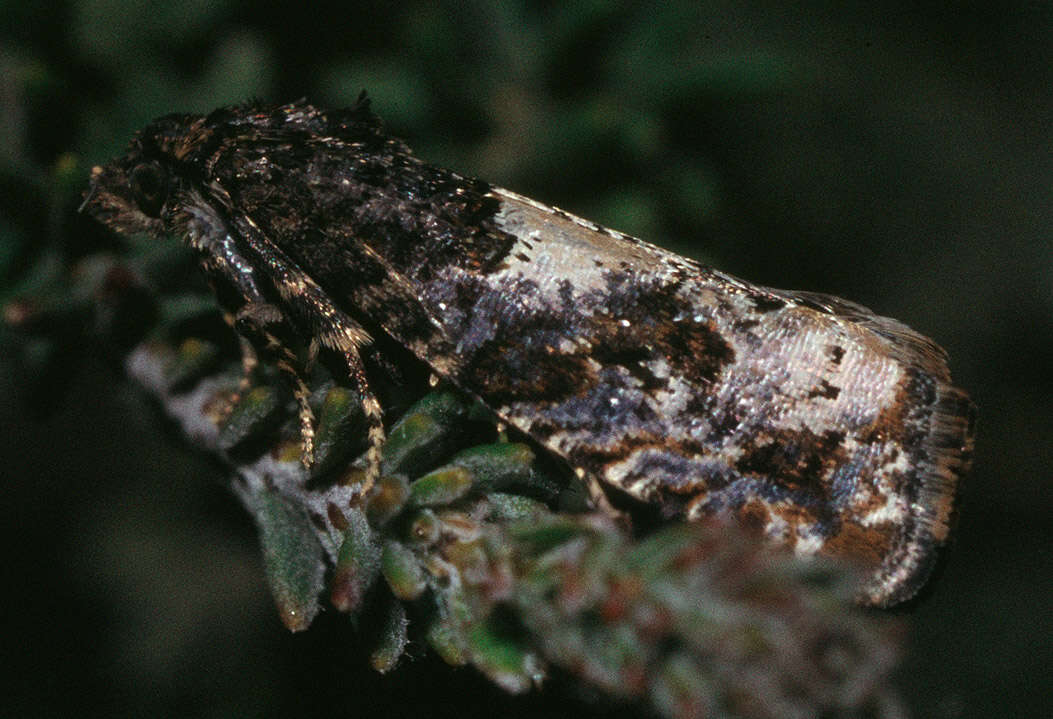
{"x": 828, "y": 427}
{"x": 825, "y": 426}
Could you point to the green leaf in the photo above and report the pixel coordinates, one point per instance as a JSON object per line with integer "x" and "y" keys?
{"x": 402, "y": 570}
{"x": 292, "y": 556}
{"x": 442, "y": 486}
{"x": 394, "y": 636}
{"x": 258, "y": 412}
{"x": 357, "y": 563}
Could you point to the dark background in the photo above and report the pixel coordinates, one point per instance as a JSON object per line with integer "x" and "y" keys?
{"x": 895, "y": 153}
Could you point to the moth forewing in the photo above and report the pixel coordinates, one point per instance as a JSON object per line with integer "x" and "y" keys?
{"x": 832, "y": 429}
{"x": 826, "y": 427}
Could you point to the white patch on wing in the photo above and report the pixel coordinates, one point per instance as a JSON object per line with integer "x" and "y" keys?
{"x": 809, "y": 545}
{"x": 562, "y": 247}
{"x": 893, "y": 511}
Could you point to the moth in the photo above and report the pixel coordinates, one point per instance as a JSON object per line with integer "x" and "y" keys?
{"x": 829, "y": 428}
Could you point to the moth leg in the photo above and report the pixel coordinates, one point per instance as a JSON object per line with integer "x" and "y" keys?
{"x": 346, "y": 338}
{"x": 249, "y": 362}
{"x": 261, "y": 320}
{"x": 258, "y": 323}
{"x": 599, "y": 497}
{"x": 234, "y": 284}
{"x": 313, "y": 310}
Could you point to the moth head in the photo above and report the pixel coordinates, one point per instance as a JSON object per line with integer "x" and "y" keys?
{"x": 148, "y": 184}
{"x": 168, "y": 176}
{"x": 138, "y": 192}
{"x": 127, "y": 199}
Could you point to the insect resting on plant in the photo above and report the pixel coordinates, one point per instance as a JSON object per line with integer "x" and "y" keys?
{"x": 828, "y": 427}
